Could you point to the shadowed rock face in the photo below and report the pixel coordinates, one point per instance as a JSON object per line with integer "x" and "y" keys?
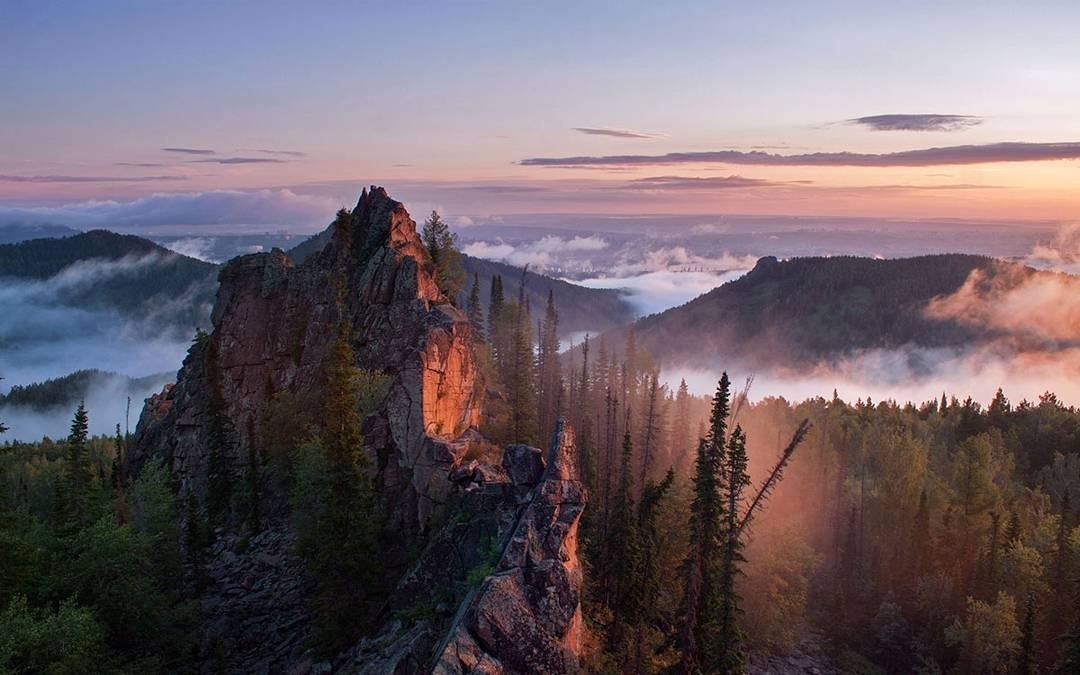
{"x": 526, "y": 616}
{"x": 273, "y": 325}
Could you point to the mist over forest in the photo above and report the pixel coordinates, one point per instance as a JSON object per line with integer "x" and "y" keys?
{"x": 561, "y": 338}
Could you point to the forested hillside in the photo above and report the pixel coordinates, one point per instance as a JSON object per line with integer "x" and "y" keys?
{"x": 125, "y": 273}
{"x": 68, "y": 390}
{"x": 713, "y": 534}
{"x": 581, "y": 309}
{"x": 805, "y": 310}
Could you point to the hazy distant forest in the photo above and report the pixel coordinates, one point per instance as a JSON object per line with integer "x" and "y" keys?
{"x": 938, "y": 537}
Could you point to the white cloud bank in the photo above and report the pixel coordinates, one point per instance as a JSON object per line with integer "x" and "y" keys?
{"x": 279, "y": 208}
{"x": 542, "y": 253}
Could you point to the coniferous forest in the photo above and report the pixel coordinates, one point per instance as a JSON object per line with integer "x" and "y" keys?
{"x": 720, "y": 533}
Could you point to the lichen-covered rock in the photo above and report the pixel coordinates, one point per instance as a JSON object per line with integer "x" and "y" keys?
{"x": 526, "y": 616}
{"x": 273, "y": 325}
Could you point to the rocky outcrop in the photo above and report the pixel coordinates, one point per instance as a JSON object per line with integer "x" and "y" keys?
{"x": 273, "y": 325}
{"x": 483, "y": 555}
{"x": 525, "y": 617}
{"x": 254, "y": 604}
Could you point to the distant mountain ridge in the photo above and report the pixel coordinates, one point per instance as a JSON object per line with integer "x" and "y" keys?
{"x": 121, "y": 272}
{"x": 13, "y": 233}
{"x": 67, "y": 391}
{"x": 809, "y": 310}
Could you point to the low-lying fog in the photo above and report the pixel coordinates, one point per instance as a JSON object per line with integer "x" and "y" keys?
{"x": 42, "y": 337}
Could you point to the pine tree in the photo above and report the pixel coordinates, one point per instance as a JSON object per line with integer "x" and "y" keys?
{"x": 548, "y": 370}
{"x": 701, "y": 602}
{"x": 496, "y": 325}
{"x": 77, "y": 468}
{"x": 1026, "y": 658}
{"x": 680, "y": 437}
{"x": 519, "y": 376}
{"x": 999, "y": 410}
{"x": 727, "y": 656}
{"x": 344, "y": 559}
{"x": 476, "y": 314}
{"x": 441, "y": 245}
{"x": 650, "y": 428}
{"x": 646, "y": 591}
{"x": 622, "y": 545}
{"x": 118, "y": 459}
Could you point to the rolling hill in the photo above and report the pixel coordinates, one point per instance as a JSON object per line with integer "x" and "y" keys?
{"x": 104, "y": 270}
{"x": 810, "y": 310}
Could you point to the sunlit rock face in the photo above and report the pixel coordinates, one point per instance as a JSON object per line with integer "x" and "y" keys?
{"x": 274, "y": 323}
{"x": 526, "y": 615}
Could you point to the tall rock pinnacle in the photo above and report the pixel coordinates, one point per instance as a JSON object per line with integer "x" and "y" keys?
{"x": 273, "y": 326}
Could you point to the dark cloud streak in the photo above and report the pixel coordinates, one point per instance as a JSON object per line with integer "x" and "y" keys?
{"x": 287, "y": 153}
{"x": 943, "y": 156}
{"x": 190, "y": 151}
{"x": 707, "y": 183}
{"x": 239, "y": 160}
{"x": 918, "y": 122}
{"x": 617, "y": 133}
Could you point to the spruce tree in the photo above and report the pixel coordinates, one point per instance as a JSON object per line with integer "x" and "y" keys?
{"x": 475, "y": 312}
{"x": 548, "y": 370}
{"x": 726, "y": 652}
{"x": 701, "y": 601}
{"x": 650, "y": 428}
{"x": 496, "y": 325}
{"x": 77, "y": 468}
{"x": 345, "y": 557}
{"x": 519, "y": 375}
{"x": 118, "y": 459}
{"x": 644, "y": 605}
{"x": 680, "y": 449}
{"x": 622, "y": 544}
{"x": 441, "y": 245}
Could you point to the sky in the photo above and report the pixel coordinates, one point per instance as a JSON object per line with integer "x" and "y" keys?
{"x": 211, "y": 114}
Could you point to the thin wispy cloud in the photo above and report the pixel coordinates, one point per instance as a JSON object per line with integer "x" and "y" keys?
{"x": 705, "y": 183}
{"x": 618, "y": 133}
{"x": 287, "y": 153}
{"x": 505, "y": 189}
{"x": 86, "y": 179}
{"x": 239, "y": 160}
{"x": 190, "y": 151}
{"x": 141, "y": 164}
{"x": 917, "y": 122}
{"x": 943, "y": 156}
{"x": 214, "y": 208}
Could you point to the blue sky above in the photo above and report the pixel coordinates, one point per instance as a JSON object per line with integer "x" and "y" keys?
{"x": 460, "y": 93}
